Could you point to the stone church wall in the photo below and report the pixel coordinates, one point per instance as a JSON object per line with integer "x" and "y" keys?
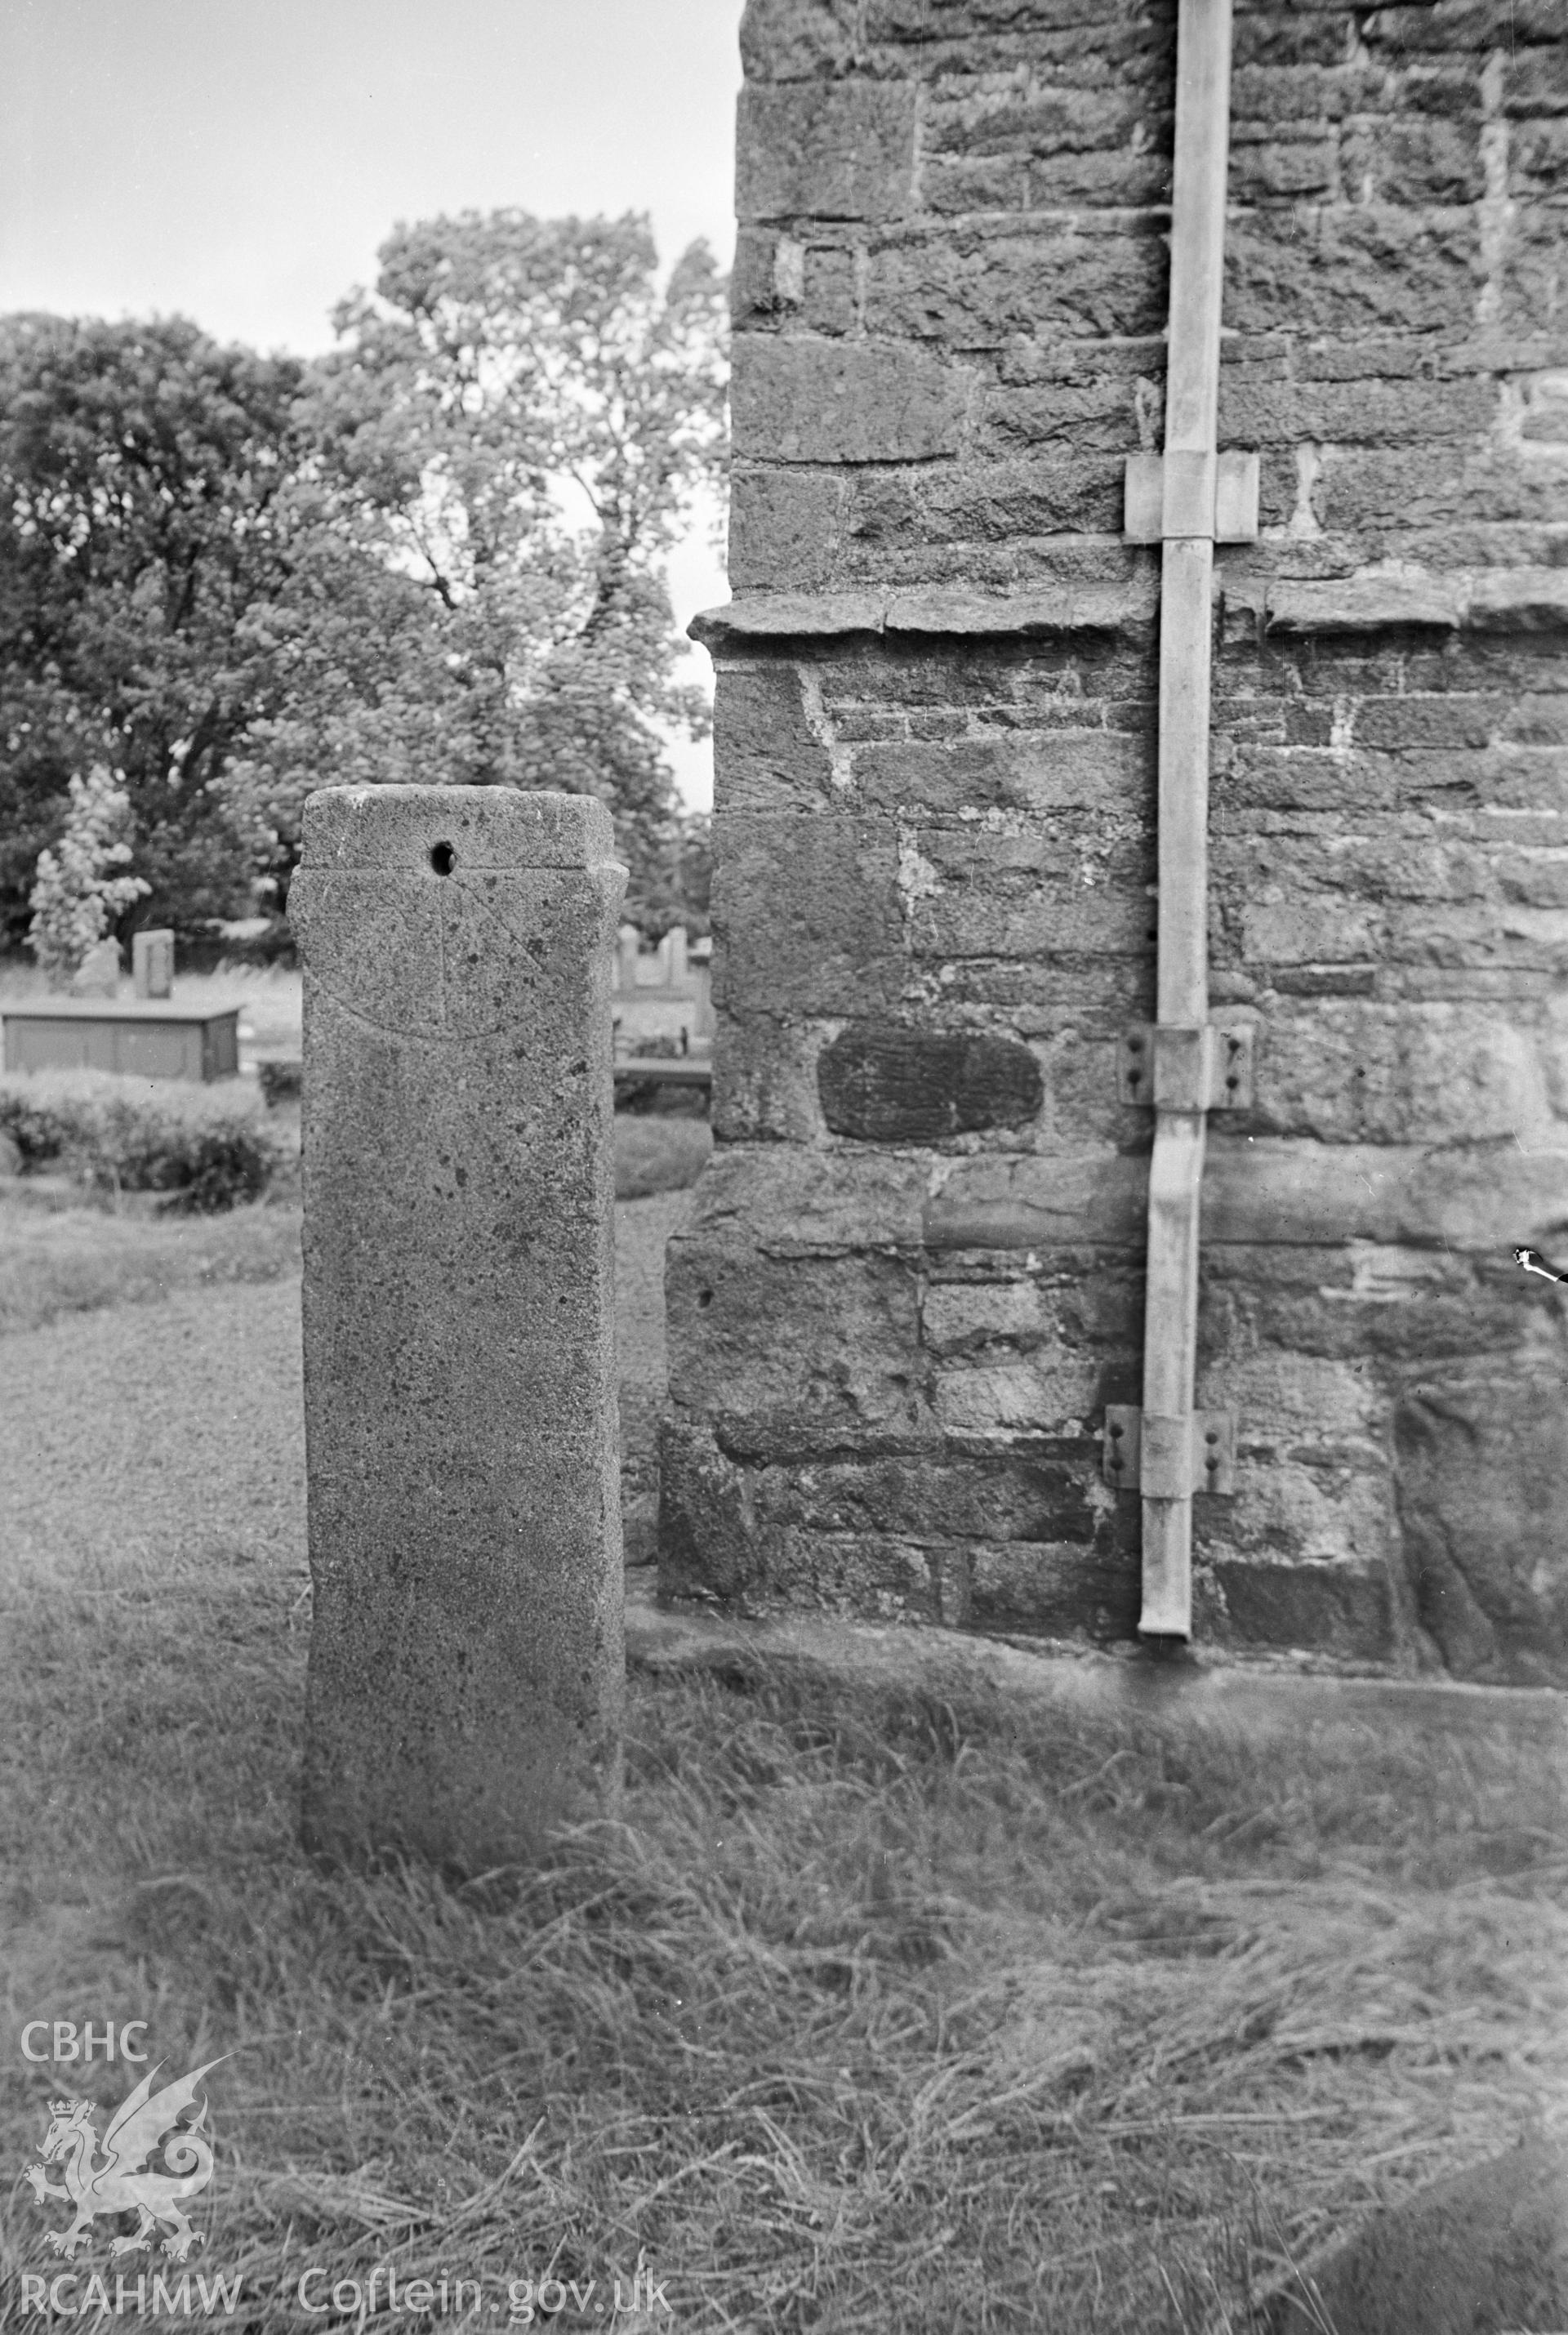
{"x": 914, "y": 1279}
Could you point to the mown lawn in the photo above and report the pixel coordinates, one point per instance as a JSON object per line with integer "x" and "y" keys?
{"x": 874, "y": 2011}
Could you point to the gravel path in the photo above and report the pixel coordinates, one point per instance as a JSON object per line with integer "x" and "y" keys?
{"x": 148, "y": 1430}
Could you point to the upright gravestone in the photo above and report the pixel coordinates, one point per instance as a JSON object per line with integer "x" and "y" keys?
{"x": 152, "y": 963}
{"x": 98, "y": 974}
{"x": 466, "y": 1665}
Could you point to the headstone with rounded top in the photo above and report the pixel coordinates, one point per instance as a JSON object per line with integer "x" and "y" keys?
{"x": 98, "y": 974}
{"x": 152, "y": 963}
{"x": 466, "y": 1664}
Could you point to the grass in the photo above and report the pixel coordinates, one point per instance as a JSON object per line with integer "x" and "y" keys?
{"x": 658, "y": 1155}
{"x": 65, "y": 1250}
{"x": 871, "y": 2012}
{"x": 62, "y": 1251}
{"x": 80, "y": 1259}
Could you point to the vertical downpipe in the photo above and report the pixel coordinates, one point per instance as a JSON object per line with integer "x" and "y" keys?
{"x": 1192, "y": 394}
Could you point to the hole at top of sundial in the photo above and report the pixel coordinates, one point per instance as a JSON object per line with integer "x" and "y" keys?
{"x": 443, "y": 858}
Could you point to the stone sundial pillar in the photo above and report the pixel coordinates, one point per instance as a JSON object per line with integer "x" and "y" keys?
{"x": 466, "y": 1665}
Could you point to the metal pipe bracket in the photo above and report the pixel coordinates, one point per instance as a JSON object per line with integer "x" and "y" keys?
{"x": 1213, "y": 497}
{"x": 1169, "y": 1459}
{"x": 1167, "y": 1068}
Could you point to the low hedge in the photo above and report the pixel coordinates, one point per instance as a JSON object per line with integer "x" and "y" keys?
{"x": 207, "y": 1147}
{"x": 281, "y": 1080}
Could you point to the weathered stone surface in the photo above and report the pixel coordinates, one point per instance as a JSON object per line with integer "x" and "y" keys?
{"x": 1458, "y": 24}
{"x": 814, "y": 1202}
{"x": 1372, "y": 1303}
{"x": 790, "y": 40}
{"x": 1053, "y": 1394}
{"x": 1538, "y": 158}
{"x": 1043, "y": 120}
{"x": 749, "y": 1332}
{"x": 1123, "y": 27}
{"x": 1285, "y": 170}
{"x": 949, "y": 184}
{"x": 1300, "y": 1406}
{"x": 777, "y": 755}
{"x": 880, "y": 1537}
{"x": 1307, "y": 1503}
{"x": 1097, "y": 413}
{"x": 728, "y": 1534}
{"x": 1030, "y": 916}
{"x": 1367, "y": 413}
{"x": 1482, "y": 1470}
{"x": 844, "y": 401}
{"x": 779, "y": 283}
{"x": 837, "y": 153}
{"x": 1066, "y": 1591}
{"x": 1063, "y": 491}
{"x": 806, "y": 912}
{"x": 1091, "y": 769}
{"x": 894, "y": 1085}
{"x": 708, "y": 1541}
{"x": 1047, "y": 609}
{"x": 765, "y": 1079}
{"x": 1348, "y": 270}
{"x": 1344, "y": 1609}
{"x": 465, "y": 1668}
{"x": 857, "y": 1573}
{"x": 773, "y": 616}
{"x": 979, "y": 291}
{"x": 1267, "y": 37}
{"x": 1395, "y": 1071}
{"x": 965, "y": 1317}
{"x": 1415, "y": 162}
{"x": 1264, "y": 1191}
{"x": 1041, "y": 1493}
{"x": 1321, "y": 931}
{"x": 1267, "y": 100}
{"x": 1533, "y": 273}
{"x": 784, "y": 528}
{"x": 1485, "y": 2249}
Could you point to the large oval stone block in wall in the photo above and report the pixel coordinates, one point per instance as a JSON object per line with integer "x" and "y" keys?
{"x": 912, "y": 1086}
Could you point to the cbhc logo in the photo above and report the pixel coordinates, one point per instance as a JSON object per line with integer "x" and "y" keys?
{"x": 72, "y": 2042}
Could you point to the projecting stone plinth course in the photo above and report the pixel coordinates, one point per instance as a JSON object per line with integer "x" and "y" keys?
{"x": 466, "y": 1666}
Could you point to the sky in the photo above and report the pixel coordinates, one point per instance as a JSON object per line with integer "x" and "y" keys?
{"x": 239, "y": 162}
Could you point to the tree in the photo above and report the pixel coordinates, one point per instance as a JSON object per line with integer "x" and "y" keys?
{"x": 74, "y": 894}
{"x": 511, "y": 435}
{"x": 141, "y": 471}
{"x": 437, "y": 556}
{"x": 676, "y": 879}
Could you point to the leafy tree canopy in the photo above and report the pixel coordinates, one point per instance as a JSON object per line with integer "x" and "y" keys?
{"x": 434, "y": 557}
{"x": 140, "y": 467}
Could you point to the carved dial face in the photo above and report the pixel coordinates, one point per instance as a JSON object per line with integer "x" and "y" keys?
{"x": 427, "y": 954}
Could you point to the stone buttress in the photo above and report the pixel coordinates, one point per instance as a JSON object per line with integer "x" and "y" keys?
{"x": 913, "y": 1280}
